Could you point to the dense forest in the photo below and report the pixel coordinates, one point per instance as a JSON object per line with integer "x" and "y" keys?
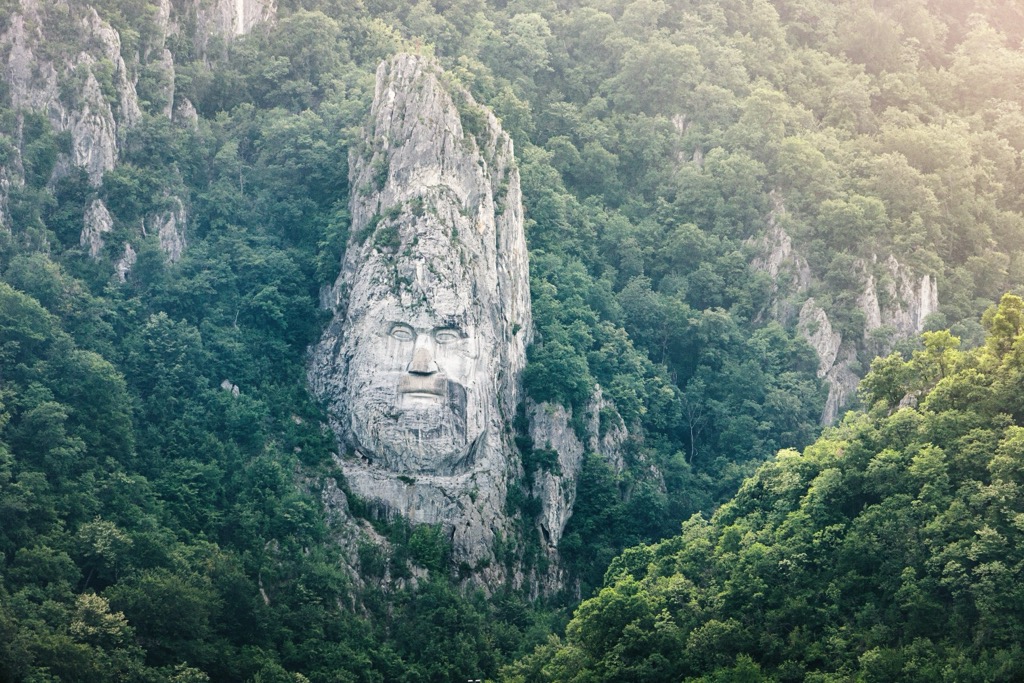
{"x": 889, "y": 550}
{"x": 161, "y": 460}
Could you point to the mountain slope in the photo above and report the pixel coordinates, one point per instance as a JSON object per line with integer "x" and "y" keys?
{"x": 888, "y": 550}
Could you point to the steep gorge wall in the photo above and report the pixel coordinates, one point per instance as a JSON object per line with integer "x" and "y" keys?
{"x": 64, "y": 61}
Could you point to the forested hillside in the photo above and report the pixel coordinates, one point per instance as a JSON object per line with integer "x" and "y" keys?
{"x": 889, "y": 550}
{"x": 173, "y": 199}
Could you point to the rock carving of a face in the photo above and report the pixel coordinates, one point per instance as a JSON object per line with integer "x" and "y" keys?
{"x": 416, "y": 378}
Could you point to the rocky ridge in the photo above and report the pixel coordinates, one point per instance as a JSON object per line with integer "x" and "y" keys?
{"x": 894, "y": 300}
{"x": 67, "y": 63}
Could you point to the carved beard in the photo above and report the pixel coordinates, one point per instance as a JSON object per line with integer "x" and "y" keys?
{"x": 417, "y": 436}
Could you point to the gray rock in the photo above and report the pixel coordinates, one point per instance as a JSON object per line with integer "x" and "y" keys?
{"x": 893, "y": 297}
{"x": 788, "y": 269}
{"x": 907, "y": 298}
{"x": 185, "y": 113}
{"x": 420, "y": 366}
{"x": 94, "y": 121}
{"x": 556, "y": 489}
{"x": 229, "y": 19}
{"x": 166, "y": 68}
{"x": 103, "y": 34}
{"x": 606, "y": 431}
{"x": 96, "y": 223}
{"x": 169, "y": 225}
{"x": 125, "y": 263}
{"x": 834, "y": 358}
{"x": 842, "y": 385}
{"x": 550, "y": 427}
{"x": 816, "y": 328}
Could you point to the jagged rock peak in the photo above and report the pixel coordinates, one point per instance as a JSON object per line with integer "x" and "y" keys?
{"x": 66, "y": 90}
{"x": 908, "y": 298}
{"x": 420, "y": 366}
{"x": 169, "y": 225}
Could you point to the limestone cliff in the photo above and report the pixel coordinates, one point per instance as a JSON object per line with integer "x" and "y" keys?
{"x": 835, "y": 358}
{"x": 789, "y": 272}
{"x": 169, "y": 226}
{"x": 97, "y": 223}
{"x": 66, "y": 86}
{"x": 551, "y": 430}
{"x": 221, "y": 21}
{"x": 421, "y": 362}
{"x": 66, "y": 62}
{"x": 894, "y": 300}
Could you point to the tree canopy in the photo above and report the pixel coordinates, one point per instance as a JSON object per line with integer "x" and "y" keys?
{"x": 888, "y": 550}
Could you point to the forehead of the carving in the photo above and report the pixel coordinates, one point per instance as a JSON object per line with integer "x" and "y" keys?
{"x": 436, "y": 308}
{"x": 442, "y": 279}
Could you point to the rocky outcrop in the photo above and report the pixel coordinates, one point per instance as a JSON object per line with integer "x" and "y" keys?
{"x": 169, "y": 226}
{"x": 185, "y": 112}
{"x": 125, "y": 263}
{"x": 834, "y": 359}
{"x": 228, "y": 19}
{"x": 906, "y": 300}
{"x": 97, "y": 223}
{"x": 551, "y": 432}
{"x": 555, "y": 484}
{"x": 167, "y": 77}
{"x": 420, "y": 366}
{"x": 606, "y": 431}
{"x": 67, "y": 89}
{"x": 86, "y": 92}
{"x": 230, "y": 387}
{"x": 894, "y": 300}
{"x": 789, "y": 272}
{"x": 816, "y": 328}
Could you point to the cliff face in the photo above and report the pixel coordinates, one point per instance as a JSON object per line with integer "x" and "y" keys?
{"x": 789, "y": 271}
{"x": 421, "y": 362}
{"x": 66, "y": 87}
{"x": 228, "y": 19}
{"x": 893, "y": 299}
{"x": 65, "y": 62}
{"x": 551, "y": 430}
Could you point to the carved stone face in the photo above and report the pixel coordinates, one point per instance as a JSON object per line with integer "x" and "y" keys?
{"x": 419, "y": 384}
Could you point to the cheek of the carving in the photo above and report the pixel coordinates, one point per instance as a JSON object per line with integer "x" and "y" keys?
{"x": 452, "y": 362}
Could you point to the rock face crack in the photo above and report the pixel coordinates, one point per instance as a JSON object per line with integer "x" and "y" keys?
{"x": 431, "y": 314}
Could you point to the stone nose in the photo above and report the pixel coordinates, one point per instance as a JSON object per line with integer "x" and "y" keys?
{"x": 422, "y": 362}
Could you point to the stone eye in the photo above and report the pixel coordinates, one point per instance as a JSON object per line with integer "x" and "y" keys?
{"x": 403, "y": 333}
{"x": 446, "y": 336}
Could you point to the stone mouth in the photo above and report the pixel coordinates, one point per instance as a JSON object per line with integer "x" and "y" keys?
{"x": 426, "y": 386}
